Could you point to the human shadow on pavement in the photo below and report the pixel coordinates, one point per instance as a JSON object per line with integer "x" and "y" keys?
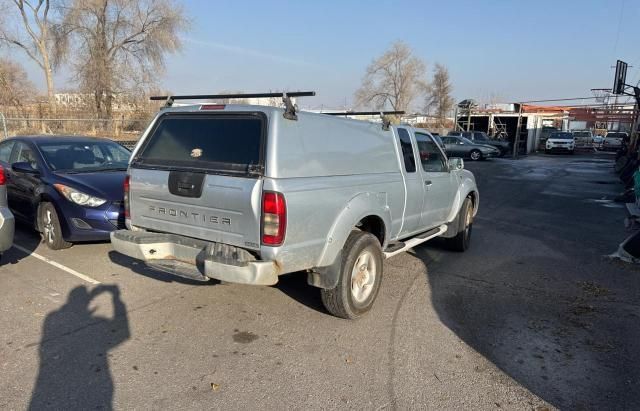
{"x": 74, "y": 352}
{"x": 562, "y": 335}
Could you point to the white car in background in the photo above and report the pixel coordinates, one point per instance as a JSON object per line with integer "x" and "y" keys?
{"x": 560, "y": 141}
{"x": 583, "y": 138}
{"x": 614, "y": 140}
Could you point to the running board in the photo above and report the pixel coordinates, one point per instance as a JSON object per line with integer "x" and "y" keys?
{"x": 417, "y": 240}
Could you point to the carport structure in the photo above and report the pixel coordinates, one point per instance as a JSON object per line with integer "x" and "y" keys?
{"x": 505, "y": 121}
{"x": 533, "y": 122}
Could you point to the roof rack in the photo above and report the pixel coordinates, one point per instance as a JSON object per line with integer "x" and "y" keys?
{"x": 385, "y": 122}
{"x": 289, "y": 112}
{"x": 363, "y": 113}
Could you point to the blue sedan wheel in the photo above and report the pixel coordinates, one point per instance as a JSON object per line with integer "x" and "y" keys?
{"x": 51, "y": 229}
{"x": 475, "y": 155}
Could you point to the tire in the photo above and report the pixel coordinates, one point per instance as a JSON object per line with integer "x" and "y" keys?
{"x": 352, "y": 297}
{"x": 462, "y": 240}
{"x": 547, "y": 151}
{"x": 51, "y": 230}
{"x": 475, "y": 155}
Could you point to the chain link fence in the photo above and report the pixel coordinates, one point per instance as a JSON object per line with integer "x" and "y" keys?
{"x": 123, "y": 130}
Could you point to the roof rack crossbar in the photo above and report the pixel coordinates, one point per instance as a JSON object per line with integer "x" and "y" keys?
{"x": 385, "y": 121}
{"x": 237, "y": 95}
{"x": 290, "y": 109}
{"x": 363, "y": 113}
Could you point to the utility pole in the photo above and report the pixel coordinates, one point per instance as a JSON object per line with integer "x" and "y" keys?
{"x": 516, "y": 140}
{"x": 455, "y": 119}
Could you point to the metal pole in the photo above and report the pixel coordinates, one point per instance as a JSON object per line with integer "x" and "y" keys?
{"x": 4, "y": 125}
{"x": 516, "y": 141}
{"x": 469, "y": 118}
{"x": 455, "y": 119}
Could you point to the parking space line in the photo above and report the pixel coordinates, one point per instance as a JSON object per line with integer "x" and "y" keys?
{"x": 57, "y": 265}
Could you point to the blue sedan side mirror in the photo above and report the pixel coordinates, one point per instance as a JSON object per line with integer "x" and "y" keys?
{"x": 24, "y": 167}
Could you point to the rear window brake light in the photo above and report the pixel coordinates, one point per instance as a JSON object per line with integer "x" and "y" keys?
{"x": 212, "y": 107}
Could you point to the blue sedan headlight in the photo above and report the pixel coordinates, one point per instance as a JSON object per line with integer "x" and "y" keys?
{"x": 78, "y": 197}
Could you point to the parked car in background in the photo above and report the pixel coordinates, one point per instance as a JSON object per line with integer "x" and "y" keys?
{"x": 481, "y": 137}
{"x": 597, "y": 141}
{"x": 214, "y": 192}
{"x": 614, "y": 140}
{"x": 583, "y": 138}
{"x": 438, "y": 139}
{"x": 462, "y": 147}
{"x": 560, "y": 141}
{"x": 7, "y": 223}
{"x": 68, "y": 188}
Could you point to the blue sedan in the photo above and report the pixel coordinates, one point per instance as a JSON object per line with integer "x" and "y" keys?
{"x": 69, "y": 188}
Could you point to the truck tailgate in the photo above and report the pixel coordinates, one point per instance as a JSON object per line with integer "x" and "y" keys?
{"x": 227, "y": 209}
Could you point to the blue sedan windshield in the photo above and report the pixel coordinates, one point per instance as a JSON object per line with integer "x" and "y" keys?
{"x": 85, "y": 156}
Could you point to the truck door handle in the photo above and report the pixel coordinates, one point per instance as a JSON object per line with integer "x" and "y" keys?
{"x": 427, "y": 182}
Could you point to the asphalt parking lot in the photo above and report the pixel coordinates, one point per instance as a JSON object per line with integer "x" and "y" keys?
{"x": 532, "y": 317}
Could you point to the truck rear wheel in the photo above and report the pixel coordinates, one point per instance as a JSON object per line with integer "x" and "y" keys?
{"x": 360, "y": 277}
{"x": 462, "y": 240}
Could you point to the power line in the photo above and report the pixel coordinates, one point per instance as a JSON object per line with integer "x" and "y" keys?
{"x": 615, "y": 46}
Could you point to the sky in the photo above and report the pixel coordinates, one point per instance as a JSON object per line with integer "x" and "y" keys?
{"x": 506, "y": 50}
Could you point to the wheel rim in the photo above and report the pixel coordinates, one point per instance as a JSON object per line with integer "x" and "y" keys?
{"x": 49, "y": 230}
{"x": 363, "y": 276}
{"x": 475, "y": 155}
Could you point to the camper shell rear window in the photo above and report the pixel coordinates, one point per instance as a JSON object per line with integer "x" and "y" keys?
{"x": 228, "y": 143}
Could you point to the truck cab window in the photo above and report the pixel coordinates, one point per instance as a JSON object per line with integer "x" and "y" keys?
{"x": 407, "y": 151}
{"x": 430, "y": 155}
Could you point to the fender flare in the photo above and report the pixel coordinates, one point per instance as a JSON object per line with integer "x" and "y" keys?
{"x": 327, "y": 271}
{"x": 466, "y": 188}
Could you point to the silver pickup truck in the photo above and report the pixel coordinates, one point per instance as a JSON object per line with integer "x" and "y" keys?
{"x": 244, "y": 194}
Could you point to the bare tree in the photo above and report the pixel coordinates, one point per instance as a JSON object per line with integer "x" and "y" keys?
{"x": 15, "y": 87}
{"x": 121, "y": 44}
{"x": 439, "y": 100}
{"x": 35, "y": 37}
{"x": 392, "y": 80}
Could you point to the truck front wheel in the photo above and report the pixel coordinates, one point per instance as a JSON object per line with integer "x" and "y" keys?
{"x": 462, "y": 240}
{"x": 360, "y": 277}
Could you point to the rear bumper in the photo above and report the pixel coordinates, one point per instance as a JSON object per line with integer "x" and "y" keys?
{"x": 195, "y": 259}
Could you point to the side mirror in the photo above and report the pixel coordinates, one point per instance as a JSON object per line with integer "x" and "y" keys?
{"x": 455, "y": 164}
{"x": 24, "y": 167}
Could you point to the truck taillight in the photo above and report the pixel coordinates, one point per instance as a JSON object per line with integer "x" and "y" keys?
{"x": 3, "y": 177}
{"x": 126, "y": 197}
{"x": 274, "y": 218}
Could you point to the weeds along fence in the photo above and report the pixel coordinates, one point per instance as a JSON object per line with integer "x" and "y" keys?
{"x": 124, "y": 130}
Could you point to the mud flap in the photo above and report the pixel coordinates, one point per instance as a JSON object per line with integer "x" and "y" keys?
{"x": 326, "y": 277}
{"x": 454, "y": 227}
